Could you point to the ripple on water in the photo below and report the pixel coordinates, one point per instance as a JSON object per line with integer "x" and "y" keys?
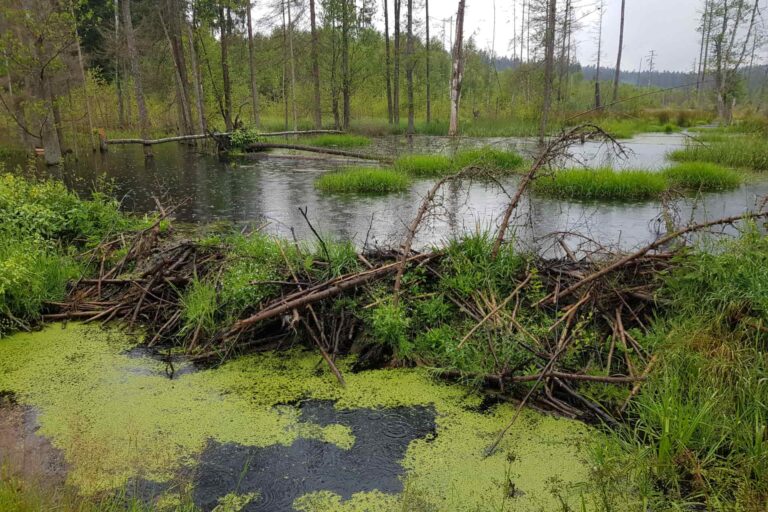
{"x": 283, "y": 473}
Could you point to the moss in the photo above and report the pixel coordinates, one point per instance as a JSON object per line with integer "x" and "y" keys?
{"x": 158, "y": 426}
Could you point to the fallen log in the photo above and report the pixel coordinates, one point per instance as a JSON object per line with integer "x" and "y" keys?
{"x": 179, "y": 138}
{"x": 323, "y": 291}
{"x": 260, "y": 146}
{"x": 554, "y": 297}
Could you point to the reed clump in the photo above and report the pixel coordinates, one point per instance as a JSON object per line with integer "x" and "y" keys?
{"x": 602, "y": 184}
{"x": 743, "y": 151}
{"x": 702, "y": 176}
{"x": 363, "y": 180}
{"x": 424, "y": 165}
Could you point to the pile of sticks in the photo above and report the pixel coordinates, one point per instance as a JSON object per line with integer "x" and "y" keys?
{"x": 616, "y": 293}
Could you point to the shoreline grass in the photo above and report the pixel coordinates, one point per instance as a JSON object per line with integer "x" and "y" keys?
{"x": 749, "y": 152}
{"x": 363, "y": 180}
{"x": 602, "y": 184}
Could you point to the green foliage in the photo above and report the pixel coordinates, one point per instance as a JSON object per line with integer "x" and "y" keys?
{"x": 424, "y": 165}
{"x": 389, "y": 325}
{"x": 488, "y": 158}
{"x": 43, "y": 227}
{"x": 470, "y": 266}
{"x": 363, "y": 180}
{"x": 33, "y": 271}
{"x": 604, "y": 184}
{"x": 338, "y": 140}
{"x": 702, "y": 176}
{"x": 745, "y": 151}
{"x": 698, "y": 431}
{"x": 47, "y": 209}
{"x": 244, "y": 137}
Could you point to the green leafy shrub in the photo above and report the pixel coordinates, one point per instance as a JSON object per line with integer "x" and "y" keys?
{"x": 389, "y": 325}
{"x": 244, "y": 137}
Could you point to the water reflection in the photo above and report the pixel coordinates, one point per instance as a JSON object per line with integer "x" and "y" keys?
{"x": 270, "y": 189}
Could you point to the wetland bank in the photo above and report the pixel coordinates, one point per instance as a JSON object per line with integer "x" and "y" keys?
{"x": 233, "y": 279}
{"x": 227, "y": 368}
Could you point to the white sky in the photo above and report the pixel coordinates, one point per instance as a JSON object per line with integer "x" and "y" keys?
{"x": 666, "y": 26}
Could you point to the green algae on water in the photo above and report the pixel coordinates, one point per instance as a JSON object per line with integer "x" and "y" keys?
{"x": 117, "y": 417}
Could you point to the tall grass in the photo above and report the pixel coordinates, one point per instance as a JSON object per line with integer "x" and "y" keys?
{"x": 338, "y": 140}
{"x": 699, "y": 428}
{"x": 488, "y": 158}
{"x": 702, "y": 176}
{"x": 749, "y": 152}
{"x": 424, "y": 165}
{"x": 364, "y": 180}
{"x": 605, "y": 184}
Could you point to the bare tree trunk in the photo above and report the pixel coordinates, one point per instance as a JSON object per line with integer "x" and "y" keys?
{"x": 409, "y": 69}
{"x": 598, "y": 98}
{"x": 709, "y": 18}
{"x": 118, "y": 79}
{"x": 85, "y": 80}
{"x": 58, "y": 123}
{"x": 318, "y": 113}
{"x": 224, "y": 23}
{"x": 346, "y": 79}
{"x": 197, "y": 78}
{"x": 136, "y": 72}
{"x": 549, "y": 66}
{"x": 458, "y": 71}
{"x": 179, "y": 68}
{"x": 293, "y": 68}
{"x": 396, "y": 78}
{"x": 617, "y": 76}
{"x": 252, "y": 66}
{"x": 388, "y": 63}
{"x": 429, "y": 86}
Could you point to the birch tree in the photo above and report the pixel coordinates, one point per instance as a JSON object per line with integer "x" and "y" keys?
{"x": 457, "y": 71}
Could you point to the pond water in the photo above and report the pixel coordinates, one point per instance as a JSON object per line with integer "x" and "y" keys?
{"x": 269, "y": 189}
{"x": 273, "y": 432}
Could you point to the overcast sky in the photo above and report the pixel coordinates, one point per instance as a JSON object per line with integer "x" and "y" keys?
{"x": 666, "y": 26}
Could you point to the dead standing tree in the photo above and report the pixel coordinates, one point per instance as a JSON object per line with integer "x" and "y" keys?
{"x": 457, "y": 73}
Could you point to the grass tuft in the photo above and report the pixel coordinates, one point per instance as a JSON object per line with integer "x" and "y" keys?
{"x": 488, "y": 158}
{"x": 363, "y": 180}
{"x": 424, "y": 165}
{"x": 339, "y": 141}
{"x": 749, "y": 152}
{"x": 605, "y": 184}
{"x": 702, "y": 176}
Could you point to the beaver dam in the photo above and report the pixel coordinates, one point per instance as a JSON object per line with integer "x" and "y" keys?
{"x": 233, "y": 370}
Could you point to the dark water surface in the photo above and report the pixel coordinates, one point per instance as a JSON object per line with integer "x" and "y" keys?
{"x": 269, "y": 190}
{"x": 280, "y": 474}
